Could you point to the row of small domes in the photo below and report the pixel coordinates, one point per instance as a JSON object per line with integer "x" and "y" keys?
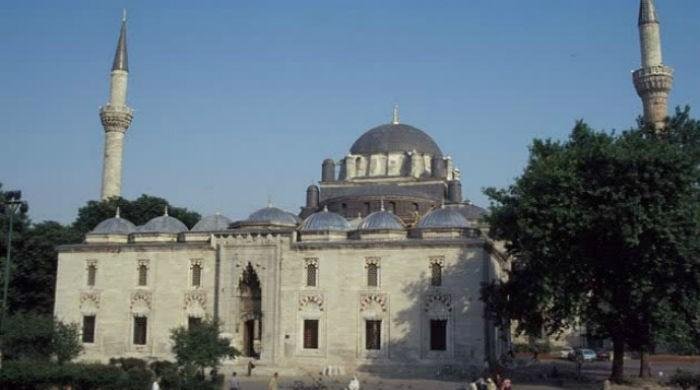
{"x": 324, "y": 220}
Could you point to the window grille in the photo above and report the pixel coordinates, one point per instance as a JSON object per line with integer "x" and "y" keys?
{"x": 373, "y": 334}
{"x": 91, "y": 274}
{"x": 143, "y": 275}
{"x": 196, "y": 275}
{"x": 372, "y": 275}
{"x": 310, "y": 334}
{"x": 436, "y": 274}
{"x": 140, "y": 329}
{"x": 311, "y": 275}
{"x": 88, "y": 329}
{"x": 438, "y": 335}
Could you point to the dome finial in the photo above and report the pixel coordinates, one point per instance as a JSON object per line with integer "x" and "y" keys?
{"x": 124, "y": 15}
{"x": 381, "y": 203}
{"x": 325, "y": 207}
{"x": 395, "y": 117}
{"x": 117, "y": 213}
{"x": 165, "y": 212}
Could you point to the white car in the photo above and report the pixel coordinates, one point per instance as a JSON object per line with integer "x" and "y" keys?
{"x": 566, "y": 352}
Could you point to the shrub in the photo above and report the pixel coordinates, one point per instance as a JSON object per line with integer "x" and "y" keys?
{"x": 29, "y": 336}
{"x": 27, "y": 375}
{"x": 684, "y": 379}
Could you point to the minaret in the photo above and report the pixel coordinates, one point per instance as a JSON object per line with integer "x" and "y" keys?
{"x": 116, "y": 118}
{"x": 654, "y": 80}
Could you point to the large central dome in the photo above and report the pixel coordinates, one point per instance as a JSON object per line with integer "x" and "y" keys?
{"x": 395, "y": 137}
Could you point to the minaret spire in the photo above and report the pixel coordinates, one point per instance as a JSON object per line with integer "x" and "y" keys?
{"x": 395, "y": 116}
{"x": 116, "y": 118}
{"x": 653, "y": 81}
{"x": 121, "y": 59}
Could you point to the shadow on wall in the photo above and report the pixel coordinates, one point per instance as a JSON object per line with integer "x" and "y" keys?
{"x": 438, "y": 332}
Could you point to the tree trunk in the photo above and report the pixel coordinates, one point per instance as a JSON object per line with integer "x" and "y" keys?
{"x": 618, "y": 366}
{"x": 644, "y": 368}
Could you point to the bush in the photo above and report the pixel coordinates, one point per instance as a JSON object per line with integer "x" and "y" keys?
{"x": 37, "y": 337}
{"x": 28, "y": 375}
{"x": 684, "y": 379}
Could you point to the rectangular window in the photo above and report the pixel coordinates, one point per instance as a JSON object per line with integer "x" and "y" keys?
{"x": 92, "y": 273}
{"x": 140, "y": 327}
{"x": 372, "y": 277}
{"x": 143, "y": 275}
{"x": 311, "y": 275}
{"x": 196, "y": 275}
{"x": 373, "y": 334}
{"x": 193, "y": 321}
{"x": 89, "y": 329}
{"x": 436, "y": 275}
{"x": 438, "y": 335}
{"x": 310, "y": 334}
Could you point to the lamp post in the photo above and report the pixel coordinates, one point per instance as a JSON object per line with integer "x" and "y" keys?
{"x": 9, "y": 205}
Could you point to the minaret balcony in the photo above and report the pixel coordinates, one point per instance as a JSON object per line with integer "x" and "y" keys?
{"x": 116, "y": 118}
{"x": 653, "y": 78}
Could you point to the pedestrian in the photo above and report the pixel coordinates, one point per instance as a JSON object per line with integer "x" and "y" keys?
{"x": 155, "y": 385}
{"x": 490, "y": 385}
{"x": 234, "y": 383}
{"x": 251, "y": 366}
{"x": 272, "y": 385}
{"x": 506, "y": 384}
{"x": 354, "y": 384}
{"x": 472, "y": 386}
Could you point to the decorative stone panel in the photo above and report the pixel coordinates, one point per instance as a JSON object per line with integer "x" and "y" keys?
{"x": 195, "y": 303}
{"x": 311, "y": 261}
{"x": 89, "y": 302}
{"x": 373, "y": 261}
{"x": 438, "y": 301}
{"x": 439, "y": 260}
{"x": 311, "y": 300}
{"x": 366, "y": 300}
{"x": 141, "y": 302}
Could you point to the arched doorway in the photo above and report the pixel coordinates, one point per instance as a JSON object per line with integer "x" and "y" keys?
{"x": 250, "y": 312}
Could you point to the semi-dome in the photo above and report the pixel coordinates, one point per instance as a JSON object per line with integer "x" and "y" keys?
{"x": 325, "y": 220}
{"x": 381, "y": 220}
{"x": 395, "y": 137}
{"x": 164, "y": 224}
{"x": 273, "y": 215}
{"x": 114, "y": 225}
{"x": 443, "y": 218}
{"x": 212, "y": 223}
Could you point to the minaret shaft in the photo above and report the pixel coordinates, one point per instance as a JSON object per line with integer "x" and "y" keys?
{"x": 116, "y": 118}
{"x": 654, "y": 80}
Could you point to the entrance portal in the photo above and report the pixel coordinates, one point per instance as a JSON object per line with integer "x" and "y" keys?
{"x": 250, "y": 312}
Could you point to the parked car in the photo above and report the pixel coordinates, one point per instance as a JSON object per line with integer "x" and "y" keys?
{"x": 566, "y": 352}
{"x": 604, "y": 355}
{"x": 585, "y": 354}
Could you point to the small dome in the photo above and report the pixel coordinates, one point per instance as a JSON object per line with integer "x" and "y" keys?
{"x": 381, "y": 220}
{"x": 325, "y": 220}
{"x": 114, "y": 225}
{"x": 273, "y": 215}
{"x": 212, "y": 223}
{"x": 443, "y": 218}
{"x": 164, "y": 224}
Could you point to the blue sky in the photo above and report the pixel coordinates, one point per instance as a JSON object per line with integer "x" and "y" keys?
{"x": 238, "y": 101}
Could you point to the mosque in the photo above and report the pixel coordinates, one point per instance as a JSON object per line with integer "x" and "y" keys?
{"x": 382, "y": 266}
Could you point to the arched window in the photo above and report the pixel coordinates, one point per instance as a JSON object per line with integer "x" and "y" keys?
{"x": 436, "y": 274}
{"x": 358, "y": 167}
{"x": 311, "y": 275}
{"x": 367, "y": 208}
{"x": 143, "y": 275}
{"x": 372, "y": 275}
{"x": 196, "y": 275}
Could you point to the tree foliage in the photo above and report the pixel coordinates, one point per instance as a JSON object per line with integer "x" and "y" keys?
{"x": 29, "y": 336}
{"x": 200, "y": 346}
{"x": 605, "y": 230}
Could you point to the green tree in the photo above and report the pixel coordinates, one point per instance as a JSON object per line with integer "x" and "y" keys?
{"x": 35, "y": 337}
{"x": 200, "y": 346}
{"x": 34, "y": 264}
{"x": 138, "y": 211}
{"x": 604, "y": 229}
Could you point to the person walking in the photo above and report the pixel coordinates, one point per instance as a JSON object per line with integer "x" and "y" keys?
{"x": 155, "y": 385}
{"x": 354, "y": 384}
{"x": 234, "y": 383}
{"x": 273, "y": 385}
